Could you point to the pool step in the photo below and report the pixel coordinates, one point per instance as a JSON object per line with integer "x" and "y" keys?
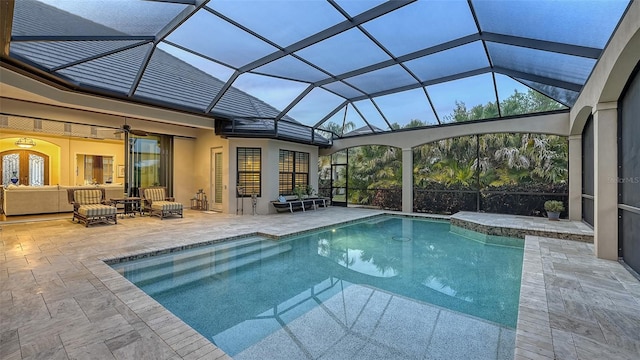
{"x": 193, "y": 258}
{"x": 172, "y": 272}
{"x": 170, "y": 282}
{"x": 133, "y": 270}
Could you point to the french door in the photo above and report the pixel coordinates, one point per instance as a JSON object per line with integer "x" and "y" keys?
{"x": 28, "y": 166}
{"x": 339, "y": 175}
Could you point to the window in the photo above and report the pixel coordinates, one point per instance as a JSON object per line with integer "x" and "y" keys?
{"x": 249, "y": 172}
{"x": 150, "y": 162}
{"x": 294, "y": 171}
{"x": 98, "y": 169}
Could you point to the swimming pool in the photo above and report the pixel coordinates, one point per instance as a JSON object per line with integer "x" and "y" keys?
{"x": 385, "y": 287}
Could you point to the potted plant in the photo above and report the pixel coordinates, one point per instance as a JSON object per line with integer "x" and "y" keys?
{"x": 309, "y": 190}
{"x": 553, "y": 208}
{"x": 300, "y": 192}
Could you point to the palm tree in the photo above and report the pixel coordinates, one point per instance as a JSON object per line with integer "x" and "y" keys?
{"x": 337, "y": 128}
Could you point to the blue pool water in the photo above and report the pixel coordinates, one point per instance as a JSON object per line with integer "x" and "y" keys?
{"x": 385, "y": 287}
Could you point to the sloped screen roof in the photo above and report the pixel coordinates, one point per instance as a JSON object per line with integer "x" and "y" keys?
{"x": 375, "y": 64}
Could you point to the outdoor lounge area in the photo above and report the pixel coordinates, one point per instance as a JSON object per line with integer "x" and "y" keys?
{"x": 449, "y": 130}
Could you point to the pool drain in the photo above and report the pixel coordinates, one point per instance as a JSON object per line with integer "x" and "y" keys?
{"x": 401, "y": 238}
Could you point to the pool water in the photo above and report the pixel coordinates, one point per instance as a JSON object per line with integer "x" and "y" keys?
{"x": 387, "y": 287}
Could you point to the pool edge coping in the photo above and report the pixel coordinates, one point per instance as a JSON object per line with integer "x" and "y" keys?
{"x": 533, "y": 329}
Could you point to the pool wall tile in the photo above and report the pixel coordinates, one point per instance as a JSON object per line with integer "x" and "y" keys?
{"x": 521, "y": 226}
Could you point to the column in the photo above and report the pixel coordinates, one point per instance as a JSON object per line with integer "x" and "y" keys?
{"x": 407, "y": 180}
{"x": 605, "y": 128}
{"x": 575, "y": 177}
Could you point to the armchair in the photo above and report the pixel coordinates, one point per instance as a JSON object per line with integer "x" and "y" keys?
{"x": 155, "y": 202}
{"x": 90, "y": 206}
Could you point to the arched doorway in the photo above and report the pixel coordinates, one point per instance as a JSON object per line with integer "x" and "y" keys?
{"x": 30, "y": 167}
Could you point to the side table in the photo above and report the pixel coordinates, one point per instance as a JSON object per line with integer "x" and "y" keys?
{"x": 130, "y": 205}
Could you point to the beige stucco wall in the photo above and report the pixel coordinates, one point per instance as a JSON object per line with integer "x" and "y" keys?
{"x": 557, "y": 124}
{"x": 183, "y": 168}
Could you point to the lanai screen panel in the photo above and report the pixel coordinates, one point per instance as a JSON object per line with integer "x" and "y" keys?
{"x": 197, "y": 55}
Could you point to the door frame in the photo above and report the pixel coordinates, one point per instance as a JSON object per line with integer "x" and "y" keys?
{"x": 334, "y": 174}
{"x": 215, "y": 206}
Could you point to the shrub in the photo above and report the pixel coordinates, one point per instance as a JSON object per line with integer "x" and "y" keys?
{"x": 554, "y": 206}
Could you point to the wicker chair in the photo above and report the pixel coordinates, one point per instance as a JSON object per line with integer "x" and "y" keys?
{"x": 91, "y": 207}
{"x": 156, "y": 202}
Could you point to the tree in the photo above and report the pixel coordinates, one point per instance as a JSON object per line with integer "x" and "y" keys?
{"x": 517, "y": 104}
{"x": 505, "y": 159}
{"x": 337, "y": 128}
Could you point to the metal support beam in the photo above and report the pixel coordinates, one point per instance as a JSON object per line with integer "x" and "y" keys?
{"x": 370, "y": 14}
{"x": 141, "y": 69}
{"x": 329, "y": 115}
{"x": 82, "y": 37}
{"x": 179, "y": 19}
{"x": 540, "y": 79}
{"x": 294, "y": 102}
{"x": 97, "y": 56}
{"x": 408, "y": 57}
{"x": 424, "y": 83}
{"x": 556, "y": 47}
{"x": 222, "y": 91}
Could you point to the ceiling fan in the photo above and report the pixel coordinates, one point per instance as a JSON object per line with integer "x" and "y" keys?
{"x": 125, "y": 128}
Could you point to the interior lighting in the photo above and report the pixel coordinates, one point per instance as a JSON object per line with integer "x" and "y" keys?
{"x": 25, "y": 143}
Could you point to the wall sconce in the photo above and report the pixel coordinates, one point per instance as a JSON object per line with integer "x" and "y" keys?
{"x": 25, "y": 143}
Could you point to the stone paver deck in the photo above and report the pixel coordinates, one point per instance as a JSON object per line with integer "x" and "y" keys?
{"x": 58, "y": 300}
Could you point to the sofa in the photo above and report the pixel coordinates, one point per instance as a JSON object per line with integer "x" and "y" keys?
{"x": 25, "y": 200}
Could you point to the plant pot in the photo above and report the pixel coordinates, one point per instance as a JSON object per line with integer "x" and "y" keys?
{"x": 553, "y": 216}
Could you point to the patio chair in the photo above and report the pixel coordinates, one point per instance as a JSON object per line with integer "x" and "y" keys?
{"x": 156, "y": 202}
{"x": 91, "y": 207}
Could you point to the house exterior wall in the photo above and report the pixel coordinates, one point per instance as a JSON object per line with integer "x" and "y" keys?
{"x": 270, "y": 170}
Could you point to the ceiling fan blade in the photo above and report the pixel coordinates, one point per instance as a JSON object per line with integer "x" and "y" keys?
{"x": 125, "y": 128}
{"x": 138, "y": 132}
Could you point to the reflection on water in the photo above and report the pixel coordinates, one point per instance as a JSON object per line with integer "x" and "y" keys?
{"x": 436, "y": 285}
{"x": 353, "y": 259}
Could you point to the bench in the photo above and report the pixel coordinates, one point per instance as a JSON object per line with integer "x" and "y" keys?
{"x": 292, "y": 205}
